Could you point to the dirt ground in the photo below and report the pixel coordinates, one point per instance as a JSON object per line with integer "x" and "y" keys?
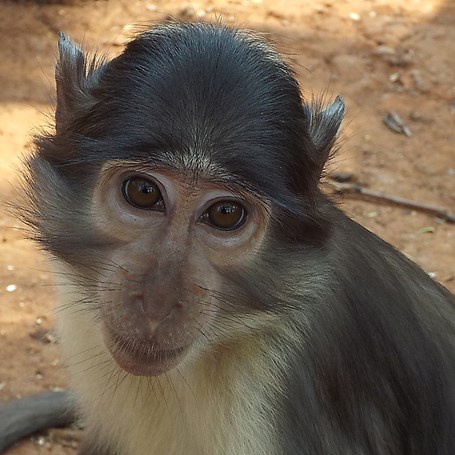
{"x": 382, "y": 56}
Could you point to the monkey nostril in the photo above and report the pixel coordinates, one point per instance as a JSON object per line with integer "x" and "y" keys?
{"x": 156, "y": 309}
{"x": 140, "y": 303}
{"x": 136, "y": 300}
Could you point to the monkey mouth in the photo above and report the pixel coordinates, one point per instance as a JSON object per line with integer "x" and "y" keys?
{"x": 143, "y": 358}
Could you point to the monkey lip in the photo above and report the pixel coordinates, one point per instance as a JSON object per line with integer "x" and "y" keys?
{"x": 143, "y": 358}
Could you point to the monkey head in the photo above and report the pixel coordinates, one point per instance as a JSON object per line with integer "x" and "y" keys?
{"x": 173, "y": 164}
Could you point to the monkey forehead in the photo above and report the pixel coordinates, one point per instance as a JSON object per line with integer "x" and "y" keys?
{"x": 201, "y": 92}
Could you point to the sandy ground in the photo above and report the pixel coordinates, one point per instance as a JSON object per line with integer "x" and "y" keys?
{"x": 380, "y": 55}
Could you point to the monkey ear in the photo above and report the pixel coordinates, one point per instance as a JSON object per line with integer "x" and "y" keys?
{"x": 323, "y": 126}
{"x": 70, "y": 76}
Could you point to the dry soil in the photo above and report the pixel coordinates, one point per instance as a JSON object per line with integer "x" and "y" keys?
{"x": 382, "y": 56}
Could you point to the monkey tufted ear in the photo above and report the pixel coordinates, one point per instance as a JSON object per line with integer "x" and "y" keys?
{"x": 70, "y": 76}
{"x": 323, "y": 125}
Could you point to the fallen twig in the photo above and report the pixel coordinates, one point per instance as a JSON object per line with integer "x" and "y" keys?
{"x": 353, "y": 188}
{"x": 393, "y": 121}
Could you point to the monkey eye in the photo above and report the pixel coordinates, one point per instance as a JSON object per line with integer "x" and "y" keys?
{"x": 142, "y": 193}
{"x": 225, "y": 215}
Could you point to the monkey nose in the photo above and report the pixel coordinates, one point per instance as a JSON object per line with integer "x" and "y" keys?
{"x": 157, "y": 310}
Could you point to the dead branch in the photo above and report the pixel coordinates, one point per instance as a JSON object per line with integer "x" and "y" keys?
{"x": 353, "y": 188}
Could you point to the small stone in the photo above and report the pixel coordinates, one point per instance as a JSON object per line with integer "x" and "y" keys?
{"x": 354, "y": 16}
{"x": 41, "y": 441}
{"x": 394, "y": 77}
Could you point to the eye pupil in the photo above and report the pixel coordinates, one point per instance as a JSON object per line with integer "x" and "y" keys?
{"x": 226, "y": 215}
{"x": 142, "y": 193}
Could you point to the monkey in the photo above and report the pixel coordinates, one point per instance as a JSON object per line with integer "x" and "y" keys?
{"x": 212, "y": 299}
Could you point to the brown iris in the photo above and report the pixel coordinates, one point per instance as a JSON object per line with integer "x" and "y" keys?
{"x": 142, "y": 193}
{"x": 225, "y": 215}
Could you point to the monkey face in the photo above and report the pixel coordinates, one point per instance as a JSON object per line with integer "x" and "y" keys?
{"x": 172, "y": 239}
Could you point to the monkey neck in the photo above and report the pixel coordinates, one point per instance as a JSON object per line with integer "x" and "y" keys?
{"x": 202, "y": 407}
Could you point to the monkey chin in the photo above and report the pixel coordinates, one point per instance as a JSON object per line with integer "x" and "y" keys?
{"x": 143, "y": 358}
